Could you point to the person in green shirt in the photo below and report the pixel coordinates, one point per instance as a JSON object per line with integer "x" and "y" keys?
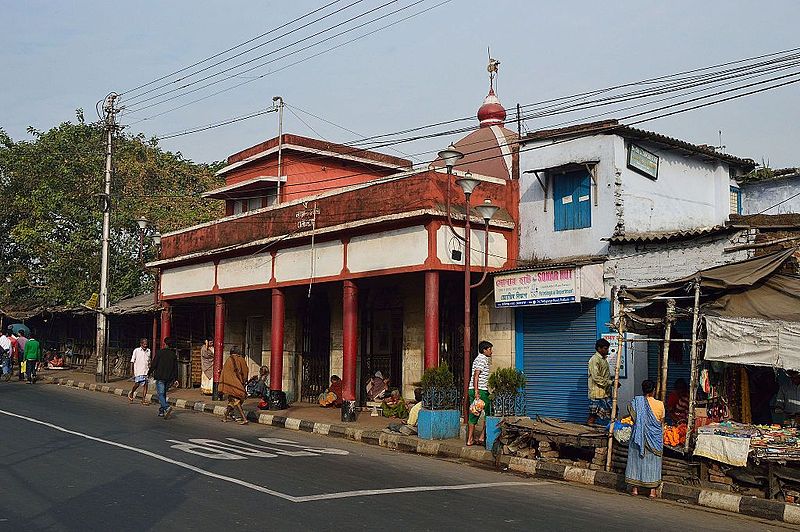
{"x": 33, "y": 354}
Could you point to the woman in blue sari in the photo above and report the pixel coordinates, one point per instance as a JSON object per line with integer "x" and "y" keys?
{"x": 647, "y": 441}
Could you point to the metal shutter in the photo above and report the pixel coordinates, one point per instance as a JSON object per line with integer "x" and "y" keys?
{"x": 558, "y": 342}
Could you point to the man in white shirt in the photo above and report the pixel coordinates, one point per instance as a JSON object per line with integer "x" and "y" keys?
{"x": 5, "y": 354}
{"x": 479, "y": 387}
{"x": 141, "y": 365}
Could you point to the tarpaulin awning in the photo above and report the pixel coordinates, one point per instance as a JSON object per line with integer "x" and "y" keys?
{"x": 740, "y": 274}
{"x": 756, "y": 342}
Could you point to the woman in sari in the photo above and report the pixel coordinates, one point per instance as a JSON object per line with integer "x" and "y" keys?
{"x": 394, "y": 406}
{"x": 207, "y": 367}
{"x": 647, "y": 441}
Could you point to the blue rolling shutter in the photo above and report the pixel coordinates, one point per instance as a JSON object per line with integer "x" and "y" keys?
{"x": 572, "y": 200}
{"x": 557, "y": 343}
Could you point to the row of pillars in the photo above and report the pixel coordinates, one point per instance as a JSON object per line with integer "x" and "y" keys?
{"x": 349, "y": 336}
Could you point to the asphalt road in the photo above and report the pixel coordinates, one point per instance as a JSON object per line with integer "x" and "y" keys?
{"x": 72, "y": 459}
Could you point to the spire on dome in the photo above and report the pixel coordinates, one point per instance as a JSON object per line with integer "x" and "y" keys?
{"x": 492, "y": 113}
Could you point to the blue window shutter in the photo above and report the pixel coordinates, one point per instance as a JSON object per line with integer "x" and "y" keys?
{"x": 583, "y": 200}
{"x": 562, "y": 188}
{"x": 575, "y": 189}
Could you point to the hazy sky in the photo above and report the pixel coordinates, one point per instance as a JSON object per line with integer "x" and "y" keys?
{"x": 56, "y": 57}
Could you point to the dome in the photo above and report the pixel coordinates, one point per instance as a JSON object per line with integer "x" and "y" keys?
{"x": 491, "y": 113}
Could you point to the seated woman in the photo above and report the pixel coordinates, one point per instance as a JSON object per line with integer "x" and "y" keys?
{"x": 259, "y": 386}
{"x": 57, "y": 361}
{"x": 394, "y": 406}
{"x": 332, "y": 397}
{"x": 678, "y": 402}
{"x": 377, "y": 387}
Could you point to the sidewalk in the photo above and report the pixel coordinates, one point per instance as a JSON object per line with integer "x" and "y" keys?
{"x": 368, "y": 430}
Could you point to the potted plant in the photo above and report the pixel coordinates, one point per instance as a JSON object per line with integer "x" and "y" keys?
{"x": 507, "y": 397}
{"x": 439, "y": 418}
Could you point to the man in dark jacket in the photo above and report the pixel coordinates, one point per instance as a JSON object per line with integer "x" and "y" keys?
{"x": 164, "y": 369}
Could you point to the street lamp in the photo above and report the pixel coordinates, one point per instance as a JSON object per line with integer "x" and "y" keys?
{"x": 142, "y": 222}
{"x": 487, "y": 210}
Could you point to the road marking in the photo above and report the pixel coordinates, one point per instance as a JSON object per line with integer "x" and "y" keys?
{"x": 268, "y": 491}
{"x": 411, "y": 489}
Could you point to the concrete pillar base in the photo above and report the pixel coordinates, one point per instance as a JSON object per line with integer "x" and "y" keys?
{"x": 348, "y": 411}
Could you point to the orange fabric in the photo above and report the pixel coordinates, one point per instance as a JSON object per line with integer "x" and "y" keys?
{"x": 657, "y": 407}
{"x": 675, "y": 435}
{"x": 234, "y": 377}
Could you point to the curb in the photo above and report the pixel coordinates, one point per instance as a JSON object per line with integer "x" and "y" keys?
{"x": 718, "y": 500}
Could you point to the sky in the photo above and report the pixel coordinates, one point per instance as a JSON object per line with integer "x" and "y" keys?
{"x": 56, "y": 57}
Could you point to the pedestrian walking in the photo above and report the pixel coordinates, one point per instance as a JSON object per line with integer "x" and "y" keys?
{"x": 5, "y": 354}
{"x": 33, "y": 354}
{"x": 479, "y": 387}
{"x": 646, "y": 447}
{"x": 140, "y": 361}
{"x": 207, "y": 367}
{"x": 164, "y": 369}
{"x": 234, "y": 379}
{"x": 22, "y": 341}
{"x": 599, "y": 383}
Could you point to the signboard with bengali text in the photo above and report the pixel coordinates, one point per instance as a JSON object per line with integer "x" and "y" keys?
{"x": 532, "y": 288}
{"x": 643, "y": 161}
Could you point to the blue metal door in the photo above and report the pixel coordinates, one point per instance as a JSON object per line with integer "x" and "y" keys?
{"x": 558, "y": 342}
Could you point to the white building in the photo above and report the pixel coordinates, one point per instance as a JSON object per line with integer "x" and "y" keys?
{"x": 604, "y": 205}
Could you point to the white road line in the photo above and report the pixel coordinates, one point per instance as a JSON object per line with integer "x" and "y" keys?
{"x": 262, "y": 489}
{"x": 413, "y": 489}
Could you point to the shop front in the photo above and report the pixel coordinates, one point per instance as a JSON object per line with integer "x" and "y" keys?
{"x": 560, "y": 312}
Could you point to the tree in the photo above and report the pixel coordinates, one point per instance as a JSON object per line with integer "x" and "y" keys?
{"x": 50, "y": 219}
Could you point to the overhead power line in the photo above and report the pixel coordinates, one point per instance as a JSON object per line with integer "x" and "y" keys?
{"x": 245, "y": 43}
{"x": 137, "y": 105}
{"x": 297, "y": 62}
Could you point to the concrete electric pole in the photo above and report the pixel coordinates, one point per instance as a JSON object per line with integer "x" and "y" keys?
{"x": 110, "y": 112}
{"x": 278, "y": 102}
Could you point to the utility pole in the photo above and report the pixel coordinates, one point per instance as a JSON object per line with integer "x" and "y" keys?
{"x": 277, "y": 100}
{"x": 102, "y": 319}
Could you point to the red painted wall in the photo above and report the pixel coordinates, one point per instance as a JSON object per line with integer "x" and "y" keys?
{"x": 417, "y": 192}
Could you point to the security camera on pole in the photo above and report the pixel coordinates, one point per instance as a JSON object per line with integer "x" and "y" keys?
{"x": 110, "y": 112}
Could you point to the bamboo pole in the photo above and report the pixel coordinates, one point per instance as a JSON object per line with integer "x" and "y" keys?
{"x": 693, "y": 363}
{"x": 662, "y": 378}
{"x": 615, "y": 391}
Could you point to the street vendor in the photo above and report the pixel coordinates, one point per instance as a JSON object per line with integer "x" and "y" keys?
{"x": 678, "y": 402}
{"x": 788, "y": 398}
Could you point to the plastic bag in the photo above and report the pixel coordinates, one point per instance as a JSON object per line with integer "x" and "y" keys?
{"x": 477, "y": 406}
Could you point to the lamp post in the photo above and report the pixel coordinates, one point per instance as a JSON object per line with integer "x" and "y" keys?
{"x": 142, "y": 223}
{"x": 487, "y": 210}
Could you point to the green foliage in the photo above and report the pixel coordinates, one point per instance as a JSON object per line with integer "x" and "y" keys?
{"x": 439, "y": 377}
{"x": 506, "y": 380}
{"x": 50, "y": 222}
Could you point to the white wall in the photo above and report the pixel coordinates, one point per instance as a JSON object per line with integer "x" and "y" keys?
{"x": 689, "y": 193}
{"x": 776, "y": 193}
{"x": 538, "y": 239}
{"x": 647, "y": 264}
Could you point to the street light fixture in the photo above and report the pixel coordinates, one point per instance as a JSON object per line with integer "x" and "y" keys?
{"x": 487, "y": 210}
{"x": 142, "y": 222}
{"x": 156, "y": 239}
{"x": 450, "y": 156}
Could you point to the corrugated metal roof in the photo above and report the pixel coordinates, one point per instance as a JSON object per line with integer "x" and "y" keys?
{"x": 666, "y": 236}
{"x": 607, "y": 127}
{"x": 560, "y": 262}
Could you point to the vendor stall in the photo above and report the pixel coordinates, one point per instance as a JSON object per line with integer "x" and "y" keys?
{"x": 744, "y": 392}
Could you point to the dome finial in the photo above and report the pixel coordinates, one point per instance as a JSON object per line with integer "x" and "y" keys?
{"x": 492, "y": 113}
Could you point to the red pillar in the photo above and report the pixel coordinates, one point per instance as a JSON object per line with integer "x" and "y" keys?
{"x": 276, "y": 340}
{"x": 431, "y": 319}
{"x": 219, "y": 341}
{"x": 349, "y": 349}
{"x": 166, "y": 322}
